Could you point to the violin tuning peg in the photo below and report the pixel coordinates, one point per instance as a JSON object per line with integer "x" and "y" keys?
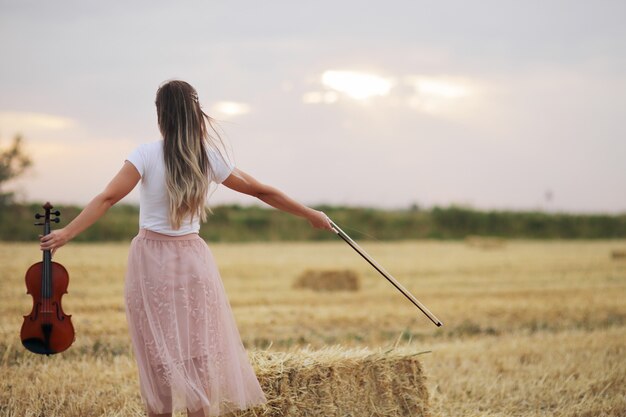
{"x": 56, "y": 220}
{"x": 38, "y": 224}
{"x": 38, "y": 216}
{"x": 56, "y": 213}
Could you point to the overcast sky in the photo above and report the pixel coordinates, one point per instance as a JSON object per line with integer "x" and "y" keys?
{"x": 491, "y": 104}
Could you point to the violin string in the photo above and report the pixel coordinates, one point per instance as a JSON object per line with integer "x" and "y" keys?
{"x": 43, "y": 287}
{"x": 47, "y": 266}
{"x": 45, "y": 280}
{"x": 356, "y": 230}
{"x": 47, "y": 296}
{"x": 46, "y": 270}
{"x": 45, "y": 275}
{"x": 49, "y": 283}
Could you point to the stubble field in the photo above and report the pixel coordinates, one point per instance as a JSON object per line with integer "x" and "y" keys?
{"x": 533, "y": 328}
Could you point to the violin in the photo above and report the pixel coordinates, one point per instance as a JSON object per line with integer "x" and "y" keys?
{"x": 47, "y": 329}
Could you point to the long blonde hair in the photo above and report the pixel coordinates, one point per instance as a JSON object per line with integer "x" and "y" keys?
{"x": 183, "y": 126}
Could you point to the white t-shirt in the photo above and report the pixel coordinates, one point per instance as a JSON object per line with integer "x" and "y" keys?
{"x": 153, "y": 198}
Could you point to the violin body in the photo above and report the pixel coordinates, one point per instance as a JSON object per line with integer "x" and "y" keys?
{"x": 47, "y": 329}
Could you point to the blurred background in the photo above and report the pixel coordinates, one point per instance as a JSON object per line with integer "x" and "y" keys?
{"x": 486, "y": 105}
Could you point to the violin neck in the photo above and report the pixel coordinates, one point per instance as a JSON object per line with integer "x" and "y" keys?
{"x": 46, "y": 278}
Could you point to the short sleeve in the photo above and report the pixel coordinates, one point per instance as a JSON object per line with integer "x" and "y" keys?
{"x": 219, "y": 167}
{"x": 136, "y": 158}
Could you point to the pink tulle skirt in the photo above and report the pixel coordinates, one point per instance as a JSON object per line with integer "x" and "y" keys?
{"x": 188, "y": 349}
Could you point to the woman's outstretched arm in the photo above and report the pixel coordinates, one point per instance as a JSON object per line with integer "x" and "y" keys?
{"x": 245, "y": 183}
{"x": 122, "y": 184}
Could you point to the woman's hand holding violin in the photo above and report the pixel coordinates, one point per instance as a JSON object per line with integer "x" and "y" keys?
{"x": 54, "y": 240}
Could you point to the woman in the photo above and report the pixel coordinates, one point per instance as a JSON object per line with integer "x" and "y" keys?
{"x": 186, "y": 343}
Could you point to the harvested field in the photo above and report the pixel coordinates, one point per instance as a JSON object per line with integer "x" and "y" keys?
{"x": 618, "y": 254}
{"x": 485, "y": 242}
{"x": 331, "y": 382}
{"x": 339, "y": 382}
{"x": 328, "y": 280}
{"x": 534, "y": 328}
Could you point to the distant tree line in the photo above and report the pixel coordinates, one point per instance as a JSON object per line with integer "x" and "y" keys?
{"x": 234, "y": 223}
{"x": 13, "y": 163}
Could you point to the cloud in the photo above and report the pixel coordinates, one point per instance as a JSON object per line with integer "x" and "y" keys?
{"x": 58, "y": 168}
{"x": 317, "y": 97}
{"x": 440, "y": 94}
{"x": 445, "y": 87}
{"x": 230, "y": 108}
{"x": 356, "y": 85}
{"x": 23, "y": 121}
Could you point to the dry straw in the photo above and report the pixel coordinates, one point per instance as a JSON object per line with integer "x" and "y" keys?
{"x": 336, "y": 381}
{"x": 485, "y": 242}
{"x": 328, "y": 280}
{"x": 618, "y": 254}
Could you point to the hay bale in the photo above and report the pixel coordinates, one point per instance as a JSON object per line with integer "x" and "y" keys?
{"x": 328, "y": 280}
{"x": 340, "y": 382}
{"x": 485, "y": 242}
{"x": 618, "y": 254}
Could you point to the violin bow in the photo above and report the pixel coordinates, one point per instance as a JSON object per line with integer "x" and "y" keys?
{"x": 385, "y": 274}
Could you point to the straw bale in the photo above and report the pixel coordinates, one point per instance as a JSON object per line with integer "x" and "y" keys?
{"x": 336, "y": 381}
{"x": 328, "y": 280}
{"x": 485, "y": 242}
{"x": 618, "y": 254}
